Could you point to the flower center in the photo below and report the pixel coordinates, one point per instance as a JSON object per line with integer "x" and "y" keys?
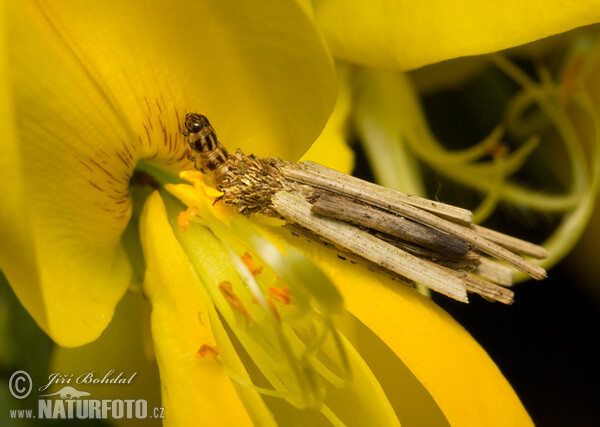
{"x": 269, "y": 301}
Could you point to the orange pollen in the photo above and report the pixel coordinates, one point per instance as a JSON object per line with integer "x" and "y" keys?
{"x": 498, "y": 150}
{"x": 283, "y": 295}
{"x": 184, "y": 218}
{"x": 208, "y": 350}
{"x": 227, "y": 291}
{"x": 249, "y": 262}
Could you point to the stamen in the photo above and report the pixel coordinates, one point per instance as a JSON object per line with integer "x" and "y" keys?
{"x": 184, "y": 218}
{"x": 273, "y": 308}
{"x": 192, "y": 176}
{"x": 197, "y": 179}
{"x": 249, "y": 262}
{"x": 227, "y": 291}
{"x": 208, "y": 350}
{"x": 283, "y": 295}
{"x": 272, "y": 336}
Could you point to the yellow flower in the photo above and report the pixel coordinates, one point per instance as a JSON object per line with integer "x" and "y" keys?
{"x": 89, "y": 91}
{"x": 98, "y": 88}
{"x": 402, "y": 35}
{"x": 92, "y": 91}
{"x": 376, "y": 42}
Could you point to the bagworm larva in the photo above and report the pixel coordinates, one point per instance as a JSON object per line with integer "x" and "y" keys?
{"x": 421, "y": 240}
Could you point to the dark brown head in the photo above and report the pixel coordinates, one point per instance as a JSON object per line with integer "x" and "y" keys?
{"x": 195, "y": 123}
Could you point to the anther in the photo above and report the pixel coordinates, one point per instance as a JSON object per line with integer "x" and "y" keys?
{"x": 208, "y": 350}
{"x": 227, "y": 291}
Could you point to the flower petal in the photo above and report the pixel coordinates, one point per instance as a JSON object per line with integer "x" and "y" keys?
{"x": 364, "y": 402}
{"x": 331, "y": 147}
{"x": 385, "y": 116}
{"x": 71, "y": 291}
{"x": 99, "y": 86}
{"x": 15, "y": 233}
{"x": 261, "y": 74}
{"x": 410, "y": 399}
{"x": 408, "y": 35}
{"x": 464, "y": 382}
{"x": 129, "y": 329}
{"x": 456, "y": 371}
{"x": 182, "y": 322}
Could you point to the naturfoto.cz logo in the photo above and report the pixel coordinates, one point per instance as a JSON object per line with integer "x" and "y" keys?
{"x": 70, "y": 402}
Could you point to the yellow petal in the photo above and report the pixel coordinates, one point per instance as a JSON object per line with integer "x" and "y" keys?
{"x": 411, "y": 401}
{"x": 260, "y": 74}
{"x": 331, "y": 147}
{"x": 183, "y": 321}
{"x": 73, "y": 296}
{"x": 386, "y": 116}
{"x": 99, "y": 86}
{"x": 462, "y": 379}
{"x": 363, "y": 402}
{"x": 15, "y": 233}
{"x": 406, "y": 35}
{"x": 130, "y": 329}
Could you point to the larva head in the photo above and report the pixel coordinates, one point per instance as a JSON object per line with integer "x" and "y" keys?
{"x": 195, "y": 123}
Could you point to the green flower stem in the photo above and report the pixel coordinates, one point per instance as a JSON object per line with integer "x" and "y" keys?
{"x": 517, "y": 108}
{"x": 492, "y": 197}
{"x": 514, "y": 72}
{"x": 382, "y": 136}
{"x": 480, "y": 177}
{"x": 584, "y": 185}
{"x": 546, "y": 97}
{"x": 457, "y": 157}
{"x": 510, "y": 163}
{"x": 574, "y": 224}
